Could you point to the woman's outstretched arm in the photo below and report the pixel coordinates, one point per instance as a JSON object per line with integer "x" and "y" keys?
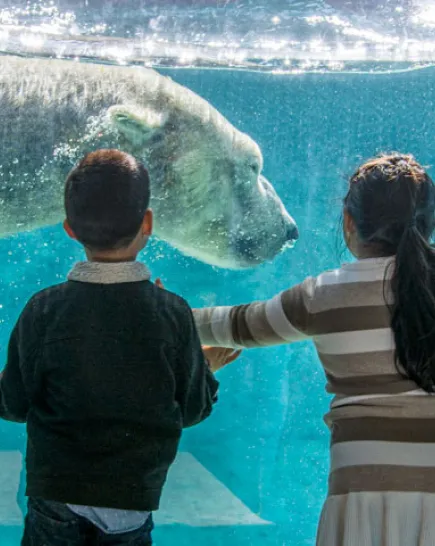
{"x": 284, "y": 318}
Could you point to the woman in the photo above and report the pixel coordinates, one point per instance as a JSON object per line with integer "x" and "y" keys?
{"x": 373, "y": 325}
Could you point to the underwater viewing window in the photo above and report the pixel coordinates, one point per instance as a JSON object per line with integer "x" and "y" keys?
{"x": 249, "y": 116}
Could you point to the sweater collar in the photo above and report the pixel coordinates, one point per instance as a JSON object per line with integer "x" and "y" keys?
{"x": 109, "y": 273}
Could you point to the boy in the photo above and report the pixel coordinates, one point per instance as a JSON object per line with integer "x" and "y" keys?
{"x": 106, "y": 369}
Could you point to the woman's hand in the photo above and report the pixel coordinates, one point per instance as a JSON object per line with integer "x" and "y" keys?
{"x": 218, "y": 357}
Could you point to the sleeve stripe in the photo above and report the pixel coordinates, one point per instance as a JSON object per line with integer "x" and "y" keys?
{"x": 262, "y": 333}
{"x": 279, "y": 322}
{"x": 221, "y": 326}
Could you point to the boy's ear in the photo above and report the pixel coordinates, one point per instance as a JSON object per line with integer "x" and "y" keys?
{"x": 68, "y": 230}
{"x": 147, "y": 226}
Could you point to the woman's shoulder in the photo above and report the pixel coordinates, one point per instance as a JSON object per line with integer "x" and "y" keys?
{"x": 355, "y": 284}
{"x": 371, "y": 270}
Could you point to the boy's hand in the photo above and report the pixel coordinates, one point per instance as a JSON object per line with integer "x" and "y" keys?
{"x": 158, "y": 283}
{"x": 218, "y": 357}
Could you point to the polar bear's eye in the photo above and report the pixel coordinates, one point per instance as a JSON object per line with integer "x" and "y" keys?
{"x": 255, "y": 168}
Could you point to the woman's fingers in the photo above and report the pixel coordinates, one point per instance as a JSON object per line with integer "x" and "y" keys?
{"x": 232, "y": 356}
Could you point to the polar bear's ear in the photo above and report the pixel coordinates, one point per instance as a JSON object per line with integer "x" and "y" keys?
{"x": 136, "y": 124}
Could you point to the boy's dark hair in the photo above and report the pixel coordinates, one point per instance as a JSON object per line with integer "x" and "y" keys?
{"x": 106, "y": 197}
{"x": 392, "y": 201}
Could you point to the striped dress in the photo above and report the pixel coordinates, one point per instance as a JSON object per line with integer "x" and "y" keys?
{"x": 382, "y": 473}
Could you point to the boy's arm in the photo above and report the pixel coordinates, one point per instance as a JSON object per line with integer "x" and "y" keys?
{"x": 285, "y": 318}
{"x": 19, "y": 380}
{"x": 196, "y": 386}
{"x": 14, "y": 403}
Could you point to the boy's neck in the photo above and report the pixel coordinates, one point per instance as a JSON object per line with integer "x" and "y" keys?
{"x": 110, "y": 256}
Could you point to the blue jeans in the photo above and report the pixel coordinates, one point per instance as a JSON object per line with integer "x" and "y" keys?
{"x": 50, "y": 523}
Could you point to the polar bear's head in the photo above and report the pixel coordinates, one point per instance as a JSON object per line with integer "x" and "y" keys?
{"x": 208, "y": 194}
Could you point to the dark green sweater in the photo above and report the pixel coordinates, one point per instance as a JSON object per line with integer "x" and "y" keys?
{"x": 106, "y": 376}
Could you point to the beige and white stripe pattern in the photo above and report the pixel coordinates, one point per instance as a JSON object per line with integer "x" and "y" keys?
{"x": 382, "y": 425}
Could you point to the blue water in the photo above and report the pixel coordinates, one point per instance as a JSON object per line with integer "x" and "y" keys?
{"x": 266, "y": 445}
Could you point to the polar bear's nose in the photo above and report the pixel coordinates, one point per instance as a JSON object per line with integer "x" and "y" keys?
{"x": 292, "y": 232}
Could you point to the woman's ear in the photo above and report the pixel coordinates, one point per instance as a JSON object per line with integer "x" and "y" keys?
{"x": 348, "y": 223}
{"x": 68, "y": 230}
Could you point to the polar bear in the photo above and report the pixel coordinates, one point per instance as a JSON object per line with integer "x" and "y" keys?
{"x": 208, "y": 195}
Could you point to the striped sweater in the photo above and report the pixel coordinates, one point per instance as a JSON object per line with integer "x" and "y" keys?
{"x": 382, "y": 425}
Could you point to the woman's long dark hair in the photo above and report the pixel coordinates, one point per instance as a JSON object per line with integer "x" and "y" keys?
{"x": 391, "y": 200}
